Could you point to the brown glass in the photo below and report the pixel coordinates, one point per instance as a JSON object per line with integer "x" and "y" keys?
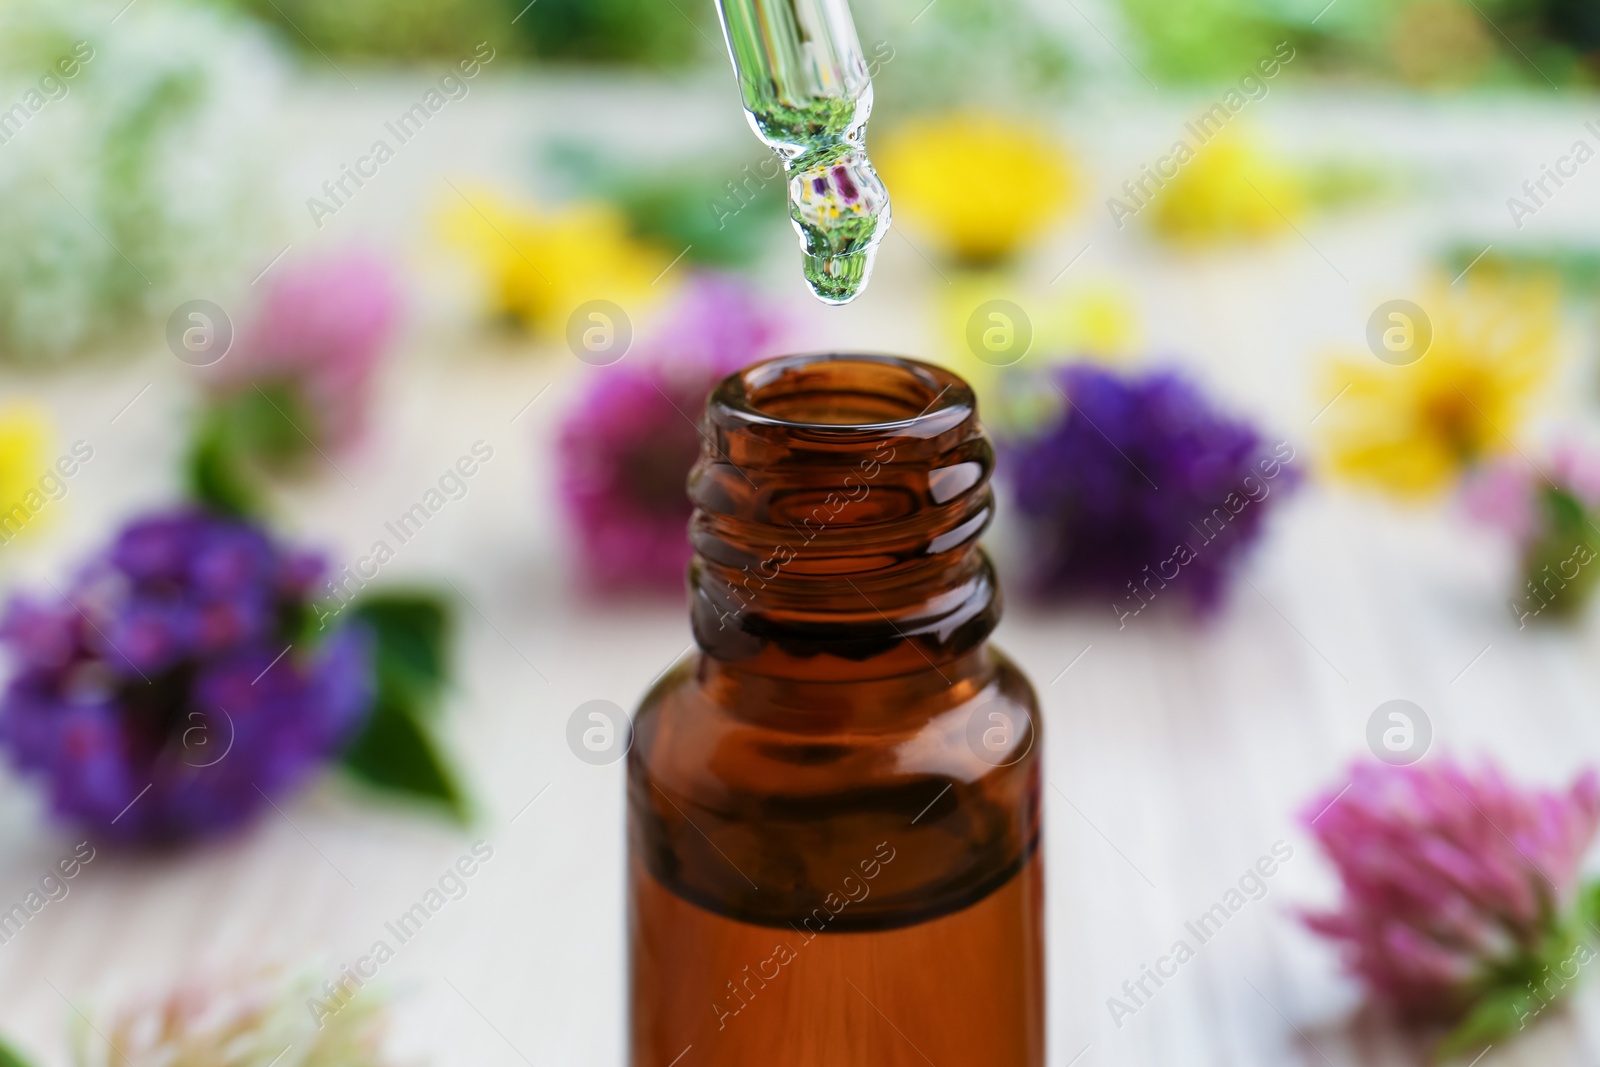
{"x": 834, "y": 807}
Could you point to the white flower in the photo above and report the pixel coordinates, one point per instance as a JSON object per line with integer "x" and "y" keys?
{"x": 261, "y": 1020}
{"x": 131, "y": 164}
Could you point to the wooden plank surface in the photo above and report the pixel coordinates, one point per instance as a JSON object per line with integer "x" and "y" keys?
{"x": 1177, "y": 754}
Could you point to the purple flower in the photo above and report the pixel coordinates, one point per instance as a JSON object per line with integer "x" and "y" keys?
{"x": 167, "y": 696}
{"x": 1454, "y": 882}
{"x": 628, "y": 442}
{"x": 1140, "y": 485}
{"x": 319, "y": 332}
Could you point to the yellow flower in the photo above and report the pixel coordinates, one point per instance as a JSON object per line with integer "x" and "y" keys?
{"x": 24, "y": 438}
{"x": 1229, "y": 190}
{"x": 542, "y": 266}
{"x": 986, "y": 318}
{"x": 983, "y": 184}
{"x": 1413, "y": 430}
{"x": 1098, "y": 320}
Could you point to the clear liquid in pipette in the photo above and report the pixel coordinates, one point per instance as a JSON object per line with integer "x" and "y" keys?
{"x": 806, "y": 91}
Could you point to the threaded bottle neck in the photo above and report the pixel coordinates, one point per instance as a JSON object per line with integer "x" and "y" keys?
{"x": 838, "y": 504}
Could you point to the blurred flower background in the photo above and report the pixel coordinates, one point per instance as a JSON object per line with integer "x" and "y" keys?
{"x": 352, "y": 360}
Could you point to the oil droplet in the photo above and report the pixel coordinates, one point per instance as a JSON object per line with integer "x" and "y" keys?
{"x": 841, "y": 211}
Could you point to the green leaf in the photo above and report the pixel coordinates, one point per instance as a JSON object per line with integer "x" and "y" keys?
{"x": 272, "y": 423}
{"x": 1578, "y": 267}
{"x": 10, "y": 1057}
{"x": 1555, "y": 561}
{"x": 397, "y": 753}
{"x": 240, "y": 439}
{"x": 218, "y": 476}
{"x": 1516, "y": 991}
{"x": 686, "y": 204}
{"x": 1496, "y": 1017}
{"x": 1589, "y": 907}
{"x": 718, "y": 227}
{"x": 412, "y": 630}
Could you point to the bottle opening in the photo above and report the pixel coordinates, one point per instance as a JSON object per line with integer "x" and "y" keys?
{"x": 839, "y": 499}
{"x": 847, "y": 392}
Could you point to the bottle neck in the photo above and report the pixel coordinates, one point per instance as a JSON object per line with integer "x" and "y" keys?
{"x": 838, "y": 504}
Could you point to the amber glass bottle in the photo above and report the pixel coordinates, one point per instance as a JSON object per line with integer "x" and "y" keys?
{"x": 834, "y": 808}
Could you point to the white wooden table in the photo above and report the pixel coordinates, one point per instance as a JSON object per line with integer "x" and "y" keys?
{"x": 1176, "y": 755}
